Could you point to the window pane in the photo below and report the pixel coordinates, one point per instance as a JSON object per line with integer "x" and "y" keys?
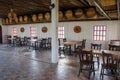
{"x": 101, "y": 37}
{"x": 95, "y": 28}
{"x": 97, "y": 32}
{"x": 101, "y": 33}
{"x": 97, "y": 37}
{"x": 104, "y": 33}
{"x": 98, "y": 28}
{"x": 94, "y": 37}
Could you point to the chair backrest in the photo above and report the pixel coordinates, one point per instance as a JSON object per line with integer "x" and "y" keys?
{"x": 114, "y": 48}
{"x": 64, "y": 40}
{"x": 35, "y": 37}
{"x": 83, "y": 43}
{"x": 109, "y": 58}
{"x": 49, "y": 40}
{"x": 85, "y": 55}
{"x": 25, "y": 38}
{"x": 96, "y": 46}
{"x": 43, "y": 41}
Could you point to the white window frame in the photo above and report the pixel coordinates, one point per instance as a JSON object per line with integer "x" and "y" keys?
{"x": 33, "y": 32}
{"x": 61, "y": 31}
{"x": 14, "y": 31}
{"x": 99, "y": 32}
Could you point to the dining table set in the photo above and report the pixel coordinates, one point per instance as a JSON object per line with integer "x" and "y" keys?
{"x": 109, "y": 62}
{"x": 33, "y": 43}
{"x": 72, "y": 43}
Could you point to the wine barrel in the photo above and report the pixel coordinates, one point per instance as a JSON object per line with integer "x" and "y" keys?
{"x": 20, "y": 19}
{"x": 40, "y": 16}
{"x": 7, "y": 21}
{"x": 78, "y": 13}
{"x": 47, "y": 16}
{"x": 60, "y": 14}
{"x": 25, "y": 19}
{"x": 90, "y": 12}
{"x": 69, "y": 14}
{"x": 16, "y": 19}
{"x": 34, "y": 18}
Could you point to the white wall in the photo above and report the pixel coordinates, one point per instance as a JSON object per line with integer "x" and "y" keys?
{"x": 27, "y": 29}
{"x": 113, "y": 30}
{"x": 87, "y": 31}
{"x": 119, "y": 29}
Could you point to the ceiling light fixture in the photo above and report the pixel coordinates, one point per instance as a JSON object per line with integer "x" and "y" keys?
{"x": 52, "y": 6}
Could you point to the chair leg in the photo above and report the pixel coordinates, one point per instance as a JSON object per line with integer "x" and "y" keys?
{"x": 93, "y": 69}
{"x": 90, "y": 70}
{"x": 115, "y": 74}
{"x": 102, "y": 73}
{"x": 98, "y": 62}
{"x": 80, "y": 70}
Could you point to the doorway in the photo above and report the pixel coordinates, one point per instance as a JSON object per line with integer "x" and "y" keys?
{"x": 0, "y": 34}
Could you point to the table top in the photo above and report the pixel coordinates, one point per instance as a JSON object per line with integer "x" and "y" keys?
{"x": 73, "y": 42}
{"x": 99, "y": 52}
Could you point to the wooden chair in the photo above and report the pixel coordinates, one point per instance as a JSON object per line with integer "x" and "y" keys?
{"x": 66, "y": 47}
{"x": 114, "y": 47}
{"x": 35, "y": 37}
{"x": 25, "y": 41}
{"x": 17, "y": 41}
{"x": 96, "y": 46}
{"x": 79, "y": 47}
{"x": 49, "y": 40}
{"x": 86, "y": 62}
{"x": 82, "y": 46}
{"x": 96, "y": 56}
{"x": 110, "y": 63}
{"x": 61, "y": 48}
{"x": 9, "y": 40}
{"x": 43, "y": 43}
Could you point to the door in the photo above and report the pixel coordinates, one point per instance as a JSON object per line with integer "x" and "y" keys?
{"x": 0, "y": 34}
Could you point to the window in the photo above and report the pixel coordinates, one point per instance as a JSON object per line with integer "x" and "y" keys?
{"x": 33, "y": 31}
{"x": 14, "y": 29}
{"x": 99, "y": 33}
{"x": 61, "y": 32}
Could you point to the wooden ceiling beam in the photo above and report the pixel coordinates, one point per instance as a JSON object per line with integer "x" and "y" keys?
{"x": 84, "y": 2}
{"x": 101, "y": 9}
{"x": 77, "y": 3}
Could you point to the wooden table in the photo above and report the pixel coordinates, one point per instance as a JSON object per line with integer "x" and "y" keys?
{"x": 72, "y": 43}
{"x": 99, "y": 52}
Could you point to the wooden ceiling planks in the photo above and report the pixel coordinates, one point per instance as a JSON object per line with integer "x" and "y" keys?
{"x": 28, "y": 7}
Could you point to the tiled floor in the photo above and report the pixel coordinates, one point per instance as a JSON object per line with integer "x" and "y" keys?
{"x": 21, "y": 64}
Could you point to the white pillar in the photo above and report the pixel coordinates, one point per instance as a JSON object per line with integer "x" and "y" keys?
{"x": 54, "y": 26}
